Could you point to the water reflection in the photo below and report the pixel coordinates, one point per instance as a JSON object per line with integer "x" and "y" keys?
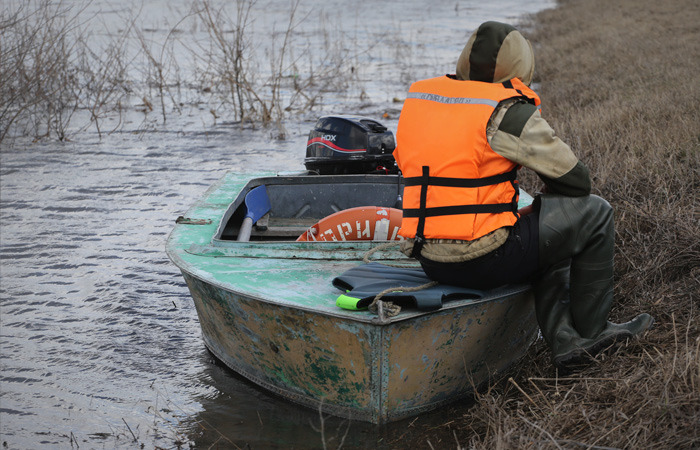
{"x": 238, "y": 414}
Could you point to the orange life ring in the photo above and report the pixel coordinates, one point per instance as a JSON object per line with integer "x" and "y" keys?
{"x": 363, "y": 223}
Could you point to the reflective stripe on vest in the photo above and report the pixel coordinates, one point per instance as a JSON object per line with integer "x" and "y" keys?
{"x": 456, "y": 187}
{"x": 452, "y": 100}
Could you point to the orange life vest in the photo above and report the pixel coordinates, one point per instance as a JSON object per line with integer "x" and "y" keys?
{"x": 456, "y": 186}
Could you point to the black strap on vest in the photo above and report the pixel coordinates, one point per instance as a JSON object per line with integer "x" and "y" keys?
{"x": 509, "y": 85}
{"x": 425, "y": 180}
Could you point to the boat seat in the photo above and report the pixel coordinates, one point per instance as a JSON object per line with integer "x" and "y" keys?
{"x": 282, "y": 226}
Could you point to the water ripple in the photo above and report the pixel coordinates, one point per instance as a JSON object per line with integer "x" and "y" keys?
{"x": 97, "y": 326}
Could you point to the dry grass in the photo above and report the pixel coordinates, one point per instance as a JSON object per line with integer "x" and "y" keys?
{"x": 619, "y": 82}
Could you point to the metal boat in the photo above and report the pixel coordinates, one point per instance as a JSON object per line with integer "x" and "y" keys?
{"x": 267, "y": 303}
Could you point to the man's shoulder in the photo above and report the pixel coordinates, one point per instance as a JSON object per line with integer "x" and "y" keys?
{"x": 514, "y": 114}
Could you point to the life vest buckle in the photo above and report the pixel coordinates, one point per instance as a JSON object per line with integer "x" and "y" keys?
{"x": 418, "y": 243}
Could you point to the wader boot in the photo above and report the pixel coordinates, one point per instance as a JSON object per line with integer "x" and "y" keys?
{"x": 579, "y": 230}
{"x": 551, "y": 291}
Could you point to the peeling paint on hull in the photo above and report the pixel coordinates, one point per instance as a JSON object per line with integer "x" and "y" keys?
{"x": 273, "y": 320}
{"x": 364, "y": 371}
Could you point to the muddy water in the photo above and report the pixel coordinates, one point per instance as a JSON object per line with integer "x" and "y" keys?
{"x": 100, "y": 346}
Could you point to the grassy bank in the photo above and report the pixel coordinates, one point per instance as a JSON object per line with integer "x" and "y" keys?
{"x": 619, "y": 83}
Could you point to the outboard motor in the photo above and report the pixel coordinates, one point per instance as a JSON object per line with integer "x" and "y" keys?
{"x": 348, "y": 145}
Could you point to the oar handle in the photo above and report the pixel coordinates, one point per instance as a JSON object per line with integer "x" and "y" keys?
{"x": 246, "y": 228}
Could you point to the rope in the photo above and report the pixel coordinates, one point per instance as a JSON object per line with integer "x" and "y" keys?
{"x": 386, "y": 309}
{"x": 372, "y": 250}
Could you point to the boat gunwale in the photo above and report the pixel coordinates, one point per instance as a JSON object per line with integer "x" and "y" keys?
{"x": 174, "y": 251}
{"x": 499, "y": 294}
{"x": 304, "y": 250}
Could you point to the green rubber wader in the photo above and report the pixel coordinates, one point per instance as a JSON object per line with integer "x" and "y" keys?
{"x": 577, "y": 236}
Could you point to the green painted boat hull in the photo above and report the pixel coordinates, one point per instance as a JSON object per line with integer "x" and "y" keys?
{"x": 267, "y": 310}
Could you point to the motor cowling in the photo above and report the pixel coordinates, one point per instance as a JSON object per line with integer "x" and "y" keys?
{"x": 350, "y": 145}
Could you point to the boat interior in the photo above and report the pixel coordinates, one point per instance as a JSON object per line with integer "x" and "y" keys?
{"x": 282, "y": 208}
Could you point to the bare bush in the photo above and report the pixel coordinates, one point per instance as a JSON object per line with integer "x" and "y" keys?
{"x": 51, "y": 68}
{"x": 105, "y": 79}
{"x": 229, "y": 56}
{"x": 162, "y": 72}
{"x": 38, "y": 70}
{"x": 48, "y": 71}
{"x": 232, "y": 64}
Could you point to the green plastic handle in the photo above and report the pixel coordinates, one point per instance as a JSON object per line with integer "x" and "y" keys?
{"x": 347, "y": 302}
